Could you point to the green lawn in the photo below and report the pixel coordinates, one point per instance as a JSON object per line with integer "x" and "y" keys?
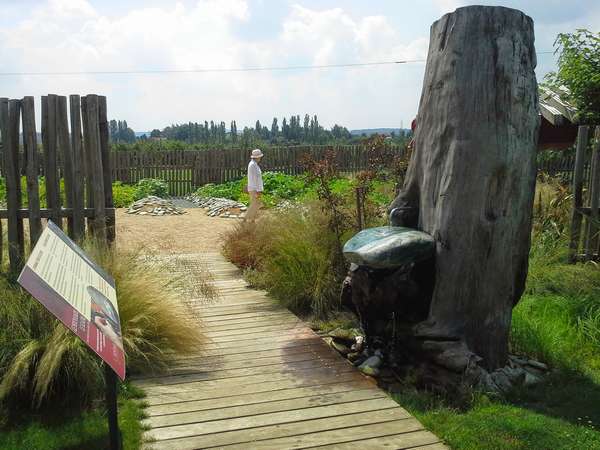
{"x": 88, "y": 430}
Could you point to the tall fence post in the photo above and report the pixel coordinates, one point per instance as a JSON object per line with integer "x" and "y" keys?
{"x": 576, "y": 215}
{"x": 64, "y": 142}
{"x": 50, "y": 159}
{"x": 78, "y": 201}
{"x": 105, "y": 156}
{"x": 591, "y": 243}
{"x": 9, "y": 118}
{"x": 91, "y": 135}
{"x": 31, "y": 157}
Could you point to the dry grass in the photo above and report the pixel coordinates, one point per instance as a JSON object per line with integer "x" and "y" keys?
{"x": 41, "y": 361}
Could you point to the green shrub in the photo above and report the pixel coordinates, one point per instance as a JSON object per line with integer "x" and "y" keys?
{"x": 42, "y": 362}
{"x": 151, "y": 186}
{"x": 232, "y": 190}
{"x": 290, "y": 254}
{"x": 123, "y": 194}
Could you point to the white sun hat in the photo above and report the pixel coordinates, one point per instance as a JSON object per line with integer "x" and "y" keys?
{"x": 256, "y": 153}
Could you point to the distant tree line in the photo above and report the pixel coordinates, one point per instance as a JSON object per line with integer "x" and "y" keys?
{"x": 290, "y": 131}
{"x": 120, "y": 132}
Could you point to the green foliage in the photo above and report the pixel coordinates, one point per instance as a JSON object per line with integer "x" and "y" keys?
{"x": 278, "y": 187}
{"x": 123, "y": 194}
{"x": 82, "y": 430}
{"x": 151, "y": 186}
{"x": 554, "y": 416}
{"x": 579, "y": 71}
{"x": 289, "y": 254}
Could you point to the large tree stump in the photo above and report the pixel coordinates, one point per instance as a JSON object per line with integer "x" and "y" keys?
{"x": 471, "y": 180}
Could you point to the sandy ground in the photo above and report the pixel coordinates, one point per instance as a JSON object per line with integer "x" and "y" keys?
{"x": 189, "y": 233}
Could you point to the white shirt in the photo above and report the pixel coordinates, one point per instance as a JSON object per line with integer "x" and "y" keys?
{"x": 255, "y": 182}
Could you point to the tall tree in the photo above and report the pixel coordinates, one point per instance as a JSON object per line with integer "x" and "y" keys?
{"x": 274, "y": 129}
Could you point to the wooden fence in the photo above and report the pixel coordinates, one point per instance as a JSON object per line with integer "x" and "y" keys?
{"x": 185, "y": 170}
{"x": 564, "y": 168}
{"x": 585, "y": 220}
{"x": 78, "y": 154}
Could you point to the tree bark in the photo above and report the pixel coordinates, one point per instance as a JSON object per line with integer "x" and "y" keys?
{"x": 471, "y": 180}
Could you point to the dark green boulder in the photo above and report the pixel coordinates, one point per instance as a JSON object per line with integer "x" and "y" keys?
{"x": 389, "y": 247}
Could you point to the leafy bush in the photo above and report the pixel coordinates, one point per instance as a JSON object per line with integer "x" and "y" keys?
{"x": 42, "y": 362}
{"x": 151, "y": 186}
{"x": 123, "y": 194}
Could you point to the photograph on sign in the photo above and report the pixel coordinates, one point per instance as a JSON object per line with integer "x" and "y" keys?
{"x": 78, "y": 292}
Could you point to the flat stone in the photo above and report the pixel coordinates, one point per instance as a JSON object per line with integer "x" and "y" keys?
{"x": 537, "y": 365}
{"x": 345, "y": 335}
{"x": 372, "y": 361}
{"x": 368, "y": 370}
{"x": 389, "y": 247}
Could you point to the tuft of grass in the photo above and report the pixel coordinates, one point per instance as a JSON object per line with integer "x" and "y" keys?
{"x": 290, "y": 256}
{"x": 86, "y": 429}
{"x": 44, "y": 363}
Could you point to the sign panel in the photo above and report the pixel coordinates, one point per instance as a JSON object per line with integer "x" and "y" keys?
{"x": 78, "y": 292}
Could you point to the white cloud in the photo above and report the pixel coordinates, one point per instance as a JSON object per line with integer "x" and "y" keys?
{"x": 71, "y": 35}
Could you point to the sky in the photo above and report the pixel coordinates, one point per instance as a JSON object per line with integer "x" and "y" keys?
{"x": 132, "y": 35}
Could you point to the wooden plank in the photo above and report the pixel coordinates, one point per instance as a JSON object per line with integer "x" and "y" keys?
{"x": 306, "y": 375}
{"x": 77, "y": 197}
{"x": 53, "y": 199}
{"x": 94, "y": 154}
{"x": 31, "y": 151}
{"x": 217, "y": 426}
{"x": 64, "y": 143}
{"x": 220, "y": 358}
{"x": 222, "y": 374}
{"x": 267, "y": 388}
{"x": 200, "y": 363}
{"x": 299, "y": 429}
{"x": 267, "y": 407}
{"x": 106, "y": 164}
{"x": 405, "y": 440}
{"x": 9, "y": 117}
{"x": 576, "y": 219}
{"x": 254, "y": 398}
{"x": 371, "y": 436}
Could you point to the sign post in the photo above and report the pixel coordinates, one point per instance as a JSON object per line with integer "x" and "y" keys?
{"x": 83, "y": 297}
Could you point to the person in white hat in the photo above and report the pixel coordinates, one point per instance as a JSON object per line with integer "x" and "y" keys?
{"x": 255, "y": 184}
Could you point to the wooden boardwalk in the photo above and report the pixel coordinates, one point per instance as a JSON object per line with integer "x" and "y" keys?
{"x": 266, "y": 381}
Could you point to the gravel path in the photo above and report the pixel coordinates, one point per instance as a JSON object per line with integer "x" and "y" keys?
{"x": 193, "y": 232}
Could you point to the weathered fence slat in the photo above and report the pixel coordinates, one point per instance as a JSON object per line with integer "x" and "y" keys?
{"x": 9, "y": 116}
{"x": 64, "y": 142}
{"x": 77, "y": 197}
{"x": 53, "y": 199}
{"x": 92, "y": 150}
{"x": 105, "y": 158}
{"x": 31, "y": 158}
{"x": 591, "y": 243}
{"x": 576, "y": 217}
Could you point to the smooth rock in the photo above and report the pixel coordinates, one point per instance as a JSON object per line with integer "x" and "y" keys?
{"x": 368, "y": 370}
{"x": 345, "y": 335}
{"x": 372, "y": 361}
{"x": 531, "y": 379}
{"x": 537, "y": 364}
{"x": 389, "y": 247}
